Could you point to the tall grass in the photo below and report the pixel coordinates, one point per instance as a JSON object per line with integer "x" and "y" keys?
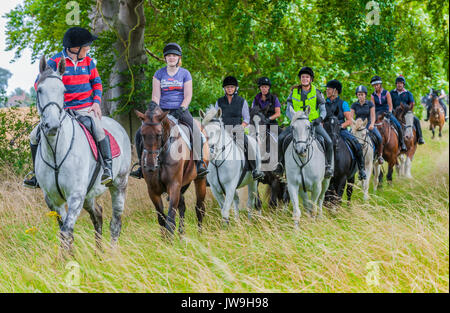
{"x": 404, "y": 229}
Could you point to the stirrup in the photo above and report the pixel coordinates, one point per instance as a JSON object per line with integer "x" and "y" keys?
{"x": 31, "y": 186}
{"x": 106, "y": 179}
{"x": 204, "y": 172}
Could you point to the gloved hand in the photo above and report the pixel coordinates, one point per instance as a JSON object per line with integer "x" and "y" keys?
{"x": 388, "y": 114}
{"x": 317, "y": 121}
{"x": 178, "y": 113}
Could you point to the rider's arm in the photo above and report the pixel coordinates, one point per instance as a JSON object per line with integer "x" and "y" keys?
{"x": 156, "y": 90}
{"x": 245, "y": 114}
{"x": 372, "y": 117}
{"x": 187, "y": 94}
{"x": 277, "y": 110}
{"x": 389, "y": 101}
{"x": 347, "y": 115}
{"x": 96, "y": 83}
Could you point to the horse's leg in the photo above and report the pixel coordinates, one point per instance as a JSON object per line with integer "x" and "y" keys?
{"x": 350, "y": 184}
{"x": 200, "y": 190}
{"x": 323, "y": 190}
{"x": 274, "y": 193}
{"x": 236, "y": 206}
{"x": 306, "y": 201}
{"x": 75, "y": 204}
{"x": 340, "y": 189}
{"x": 390, "y": 172}
{"x": 366, "y": 182}
{"x": 181, "y": 210}
{"x": 251, "y": 200}
{"x": 376, "y": 173}
{"x": 315, "y": 193}
{"x": 159, "y": 206}
{"x": 174, "y": 196}
{"x": 293, "y": 194}
{"x": 118, "y": 193}
{"x": 60, "y": 210}
{"x": 440, "y": 130}
{"x": 97, "y": 219}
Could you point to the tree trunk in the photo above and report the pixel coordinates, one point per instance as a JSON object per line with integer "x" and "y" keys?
{"x": 126, "y": 18}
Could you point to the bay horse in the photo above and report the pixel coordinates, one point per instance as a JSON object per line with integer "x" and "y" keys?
{"x": 437, "y": 115}
{"x": 389, "y": 146}
{"x": 268, "y": 146}
{"x": 405, "y": 116}
{"x": 168, "y": 167}
{"x": 66, "y": 168}
{"x": 344, "y": 165}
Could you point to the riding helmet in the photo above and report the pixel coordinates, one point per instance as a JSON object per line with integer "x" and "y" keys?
{"x": 376, "y": 80}
{"x": 335, "y": 84}
{"x": 306, "y": 70}
{"x": 230, "y": 80}
{"x": 361, "y": 88}
{"x": 172, "y": 48}
{"x": 400, "y": 78}
{"x": 264, "y": 81}
{"x": 78, "y": 37}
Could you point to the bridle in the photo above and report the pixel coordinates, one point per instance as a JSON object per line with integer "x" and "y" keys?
{"x": 214, "y": 155}
{"x": 156, "y": 152}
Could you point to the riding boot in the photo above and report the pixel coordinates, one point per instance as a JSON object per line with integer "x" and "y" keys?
{"x": 428, "y": 113}
{"x": 418, "y": 131}
{"x": 138, "y": 142}
{"x": 329, "y": 160}
{"x": 401, "y": 139}
{"x": 32, "y": 182}
{"x": 202, "y": 170}
{"x": 361, "y": 166}
{"x": 280, "y": 166}
{"x": 105, "y": 151}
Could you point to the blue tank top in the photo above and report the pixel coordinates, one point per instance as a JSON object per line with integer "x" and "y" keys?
{"x": 383, "y": 105}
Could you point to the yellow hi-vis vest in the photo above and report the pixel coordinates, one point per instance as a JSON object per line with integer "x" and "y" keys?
{"x": 311, "y": 101}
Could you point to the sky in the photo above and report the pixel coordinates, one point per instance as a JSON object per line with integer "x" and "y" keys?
{"x": 24, "y": 72}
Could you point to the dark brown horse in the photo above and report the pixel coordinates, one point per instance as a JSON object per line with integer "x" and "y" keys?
{"x": 405, "y": 116}
{"x": 389, "y": 146}
{"x": 437, "y": 116}
{"x": 168, "y": 167}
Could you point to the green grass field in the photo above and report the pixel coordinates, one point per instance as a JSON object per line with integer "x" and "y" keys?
{"x": 396, "y": 242}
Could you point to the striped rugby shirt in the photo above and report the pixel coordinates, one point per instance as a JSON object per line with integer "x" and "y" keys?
{"x": 82, "y": 82}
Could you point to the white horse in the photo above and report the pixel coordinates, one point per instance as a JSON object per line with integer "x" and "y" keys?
{"x": 227, "y": 165}
{"x": 305, "y": 167}
{"x": 65, "y": 163}
{"x": 361, "y": 133}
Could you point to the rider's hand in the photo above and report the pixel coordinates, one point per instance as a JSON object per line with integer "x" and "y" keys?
{"x": 95, "y": 107}
{"x": 317, "y": 121}
{"x": 371, "y": 127}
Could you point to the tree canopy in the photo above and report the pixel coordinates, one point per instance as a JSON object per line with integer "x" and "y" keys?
{"x": 346, "y": 40}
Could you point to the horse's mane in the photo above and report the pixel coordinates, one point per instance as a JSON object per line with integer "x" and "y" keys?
{"x": 210, "y": 114}
{"x": 358, "y": 123}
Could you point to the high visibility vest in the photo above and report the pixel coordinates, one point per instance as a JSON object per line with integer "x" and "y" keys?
{"x": 311, "y": 101}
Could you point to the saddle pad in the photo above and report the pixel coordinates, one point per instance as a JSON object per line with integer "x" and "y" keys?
{"x": 115, "y": 149}
{"x": 181, "y": 131}
{"x": 349, "y": 149}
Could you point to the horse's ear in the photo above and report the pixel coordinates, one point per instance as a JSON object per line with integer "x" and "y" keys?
{"x": 308, "y": 110}
{"x": 365, "y": 122}
{"x": 219, "y": 113}
{"x": 140, "y": 115}
{"x": 202, "y": 114}
{"x": 163, "y": 115}
{"x": 62, "y": 66}
{"x": 42, "y": 64}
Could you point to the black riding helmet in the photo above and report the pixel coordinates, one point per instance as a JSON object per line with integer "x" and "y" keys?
{"x": 230, "y": 80}
{"x": 335, "y": 84}
{"x": 306, "y": 70}
{"x": 400, "y": 79}
{"x": 264, "y": 81}
{"x": 172, "y": 48}
{"x": 77, "y": 37}
{"x": 376, "y": 80}
{"x": 361, "y": 88}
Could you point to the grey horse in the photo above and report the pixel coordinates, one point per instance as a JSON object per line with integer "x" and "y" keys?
{"x": 226, "y": 165}
{"x": 305, "y": 167}
{"x": 65, "y": 163}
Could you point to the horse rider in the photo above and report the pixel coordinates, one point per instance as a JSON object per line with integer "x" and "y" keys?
{"x": 383, "y": 104}
{"x": 172, "y": 91}
{"x": 401, "y": 95}
{"x": 267, "y": 101}
{"x": 441, "y": 101}
{"x": 83, "y": 94}
{"x": 340, "y": 109}
{"x": 303, "y": 95}
{"x": 236, "y": 116}
{"x": 365, "y": 109}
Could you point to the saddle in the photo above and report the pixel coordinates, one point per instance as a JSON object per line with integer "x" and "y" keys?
{"x": 87, "y": 125}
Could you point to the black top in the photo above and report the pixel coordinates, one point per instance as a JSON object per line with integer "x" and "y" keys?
{"x": 362, "y": 111}
{"x": 231, "y": 112}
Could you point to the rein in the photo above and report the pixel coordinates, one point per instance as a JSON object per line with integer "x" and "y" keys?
{"x": 308, "y": 143}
